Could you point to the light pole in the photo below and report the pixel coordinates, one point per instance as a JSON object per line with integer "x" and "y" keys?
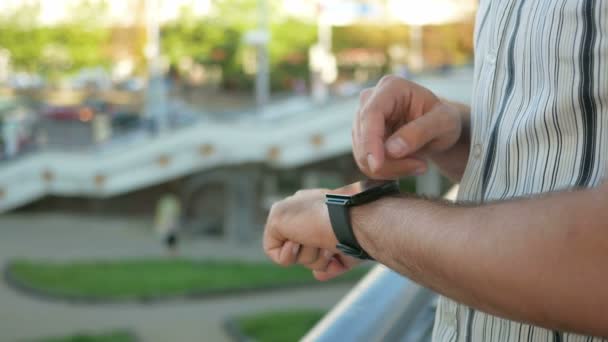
{"x": 322, "y": 61}
{"x": 262, "y": 79}
{"x": 156, "y": 93}
{"x": 416, "y": 48}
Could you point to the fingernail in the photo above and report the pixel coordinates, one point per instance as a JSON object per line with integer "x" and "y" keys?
{"x": 296, "y": 249}
{"x": 397, "y": 147}
{"x": 327, "y": 254}
{"x": 372, "y": 163}
{"x": 420, "y": 171}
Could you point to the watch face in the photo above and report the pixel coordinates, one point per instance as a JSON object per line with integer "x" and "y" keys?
{"x": 361, "y": 186}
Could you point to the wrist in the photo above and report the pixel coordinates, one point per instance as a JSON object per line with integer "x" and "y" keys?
{"x": 343, "y": 201}
{"x": 375, "y": 224}
{"x": 367, "y": 221}
{"x": 329, "y": 240}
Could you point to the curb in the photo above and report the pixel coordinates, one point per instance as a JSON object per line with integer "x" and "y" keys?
{"x": 233, "y": 331}
{"x": 24, "y": 288}
{"x": 130, "y": 332}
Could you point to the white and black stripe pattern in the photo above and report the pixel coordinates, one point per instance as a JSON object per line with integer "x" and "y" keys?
{"x": 539, "y": 124}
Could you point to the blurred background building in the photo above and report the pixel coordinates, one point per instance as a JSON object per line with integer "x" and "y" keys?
{"x": 225, "y": 106}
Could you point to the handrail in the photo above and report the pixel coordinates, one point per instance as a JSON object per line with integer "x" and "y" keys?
{"x": 383, "y": 306}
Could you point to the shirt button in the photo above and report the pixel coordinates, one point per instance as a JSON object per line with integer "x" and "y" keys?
{"x": 491, "y": 58}
{"x": 477, "y": 149}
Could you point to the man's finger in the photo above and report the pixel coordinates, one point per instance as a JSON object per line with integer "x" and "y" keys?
{"x": 322, "y": 261}
{"x": 272, "y": 240}
{"x": 364, "y": 96}
{"x": 289, "y": 253}
{"x": 273, "y": 248}
{"x": 334, "y": 269}
{"x": 381, "y": 106}
{"x": 396, "y": 168}
{"x": 308, "y": 255}
{"x": 372, "y": 141}
{"x": 372, "y": 132}
{"x": 416, "y": 134}
{"x": 358, "y": 153}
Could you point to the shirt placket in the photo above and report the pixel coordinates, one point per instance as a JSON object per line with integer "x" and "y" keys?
{"x": 488, "y": 75}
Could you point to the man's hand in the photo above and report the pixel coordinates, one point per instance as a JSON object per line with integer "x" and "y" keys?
{"x": 299, "y": 226}
{"x": 298, "y": 231}
{"x": 398, "y": 124}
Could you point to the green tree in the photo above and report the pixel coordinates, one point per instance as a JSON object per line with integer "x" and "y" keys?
{"x": 218, "y": 40}
{"x": 65, "y": 47}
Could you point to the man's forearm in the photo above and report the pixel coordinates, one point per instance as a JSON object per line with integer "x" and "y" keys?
{"x": 453, "y": 162}
{"x": 541, "y": 261}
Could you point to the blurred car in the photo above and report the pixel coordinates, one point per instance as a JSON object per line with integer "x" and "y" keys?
{"x": 69, "y": 113}
{"x": 122, "y": 119}
{"x": 125, "y": 120}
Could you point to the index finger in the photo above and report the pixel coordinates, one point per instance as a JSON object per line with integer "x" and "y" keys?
{"x": 273, "y": 247}
{"x": 387, "y": 98}
{"x": 372, "y": 132}
{"x": 272, "y": 241}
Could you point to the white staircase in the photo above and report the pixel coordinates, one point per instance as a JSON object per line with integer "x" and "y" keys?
{"x": 283, "y": 142}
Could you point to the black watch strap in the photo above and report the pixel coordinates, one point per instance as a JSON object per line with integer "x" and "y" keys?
{"x": 339, "y": 215}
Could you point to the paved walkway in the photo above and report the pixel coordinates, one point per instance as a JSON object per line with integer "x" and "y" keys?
{"x": 63, "y": 237}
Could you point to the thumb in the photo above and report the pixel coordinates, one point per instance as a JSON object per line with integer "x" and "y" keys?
{"x": 417, "y": 133}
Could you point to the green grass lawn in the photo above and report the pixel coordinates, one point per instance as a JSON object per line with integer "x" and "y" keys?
{"x": 283, "y": 326}
{"x": 136, "y": 279}
{"x": 115, "y": 336}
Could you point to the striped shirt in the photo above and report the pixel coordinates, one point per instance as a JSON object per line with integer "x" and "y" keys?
{"x": 539, "y": 124}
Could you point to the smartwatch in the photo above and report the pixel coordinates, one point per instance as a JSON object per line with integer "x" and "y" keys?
{"x": 340, "y": 201}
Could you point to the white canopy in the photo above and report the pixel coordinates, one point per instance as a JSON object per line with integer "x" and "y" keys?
{"x": 430, "y": 12}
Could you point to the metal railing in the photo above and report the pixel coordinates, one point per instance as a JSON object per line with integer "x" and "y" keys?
{"x": 383, "y": 306}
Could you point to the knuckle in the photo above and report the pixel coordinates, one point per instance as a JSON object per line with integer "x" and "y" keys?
{"x": 364, "y": 112}
{"x": 365, "y": 94}
{"x": 415, "y": 133}
{"x": 302, "y": 192}
{"x": 446, "y": 124}
{"x": 366, "y": 143}
{"x": 442, "y": 118}
{"x": 318, "y": 266}
{"x": 274, "y": 209}
{"x": 308, "y": 257}
{"x": 390, "y": 80}
{"x": 370, "y": 112}
{"x": 451, "y": 121}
